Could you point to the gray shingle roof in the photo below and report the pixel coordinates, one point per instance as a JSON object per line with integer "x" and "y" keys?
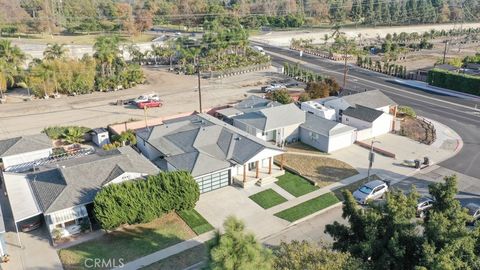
{"x": 373, "y": 99}
{"x": 324, "y": 127}
{"x": 255, "y": 103}
{"x": 273, "y": 117}
{"x": 363, "y": 113}
{"x": 211, "y": 144}
{"x": 76, "y": 181}
{"x": 24, "y": 144}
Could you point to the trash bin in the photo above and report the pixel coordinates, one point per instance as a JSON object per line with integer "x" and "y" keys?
{"x": 426, "y": 161}
{"x": 417, "y": 164}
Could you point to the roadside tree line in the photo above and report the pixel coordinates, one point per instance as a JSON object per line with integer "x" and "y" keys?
{"x": 58, "y": 74}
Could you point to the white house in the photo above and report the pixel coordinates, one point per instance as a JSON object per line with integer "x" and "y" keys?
{"x": 63, "y": 191}
{"x": 326, "y": 135}
{"x": 369, "y": 122}
{"x": 318, "y": 108}
{"x": 215, "y": 153}
{"x": 25, "y": 149}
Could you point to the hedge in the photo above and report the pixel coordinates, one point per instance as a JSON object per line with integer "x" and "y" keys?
{"x": 141, "y": 201}
{"x": 454, "y": 81}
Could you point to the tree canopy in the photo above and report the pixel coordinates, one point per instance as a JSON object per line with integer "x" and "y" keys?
{"x": 389, "y": 237}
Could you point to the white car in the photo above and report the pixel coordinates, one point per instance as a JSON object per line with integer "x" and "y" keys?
{"x": 147, "y": 97}
{"x": 273, "y": 87}
{"x": 370, "y": 191}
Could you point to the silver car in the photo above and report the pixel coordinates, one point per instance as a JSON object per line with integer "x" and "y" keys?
{"x": 370, "y": 191}
{"x": 474, "y": 212}
{"x": 423, "y": 205}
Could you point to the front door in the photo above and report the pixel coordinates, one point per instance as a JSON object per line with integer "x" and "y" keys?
{"x": 252, "y": 166}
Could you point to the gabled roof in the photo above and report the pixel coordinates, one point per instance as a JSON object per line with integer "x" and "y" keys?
{"x": 24, "y": 144}
{"x": 76, "y": 181}
{"x": 255, "y": 103}
{"x": 202, "y": 144}
{"x": 325, "y": 127}
{"x": 273, "y": 117}
{"x": 363, "y": 113}
{"x": 373, "y": 99}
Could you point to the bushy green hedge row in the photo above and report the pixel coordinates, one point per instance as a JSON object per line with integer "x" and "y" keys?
{"x": 142, "y": 201}
{"x": 455, "y": 81}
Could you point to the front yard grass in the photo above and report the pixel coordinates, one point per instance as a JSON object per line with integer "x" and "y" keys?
{"x": 193, "y": 219}
{"x": 354, "y": 186}
{"x": 267, "y": 198}
{"x": 295, "y": 185}
{"x": 309, "y": 207}
{"x": 323, "y": 170}
{"x": 129, "y": 242}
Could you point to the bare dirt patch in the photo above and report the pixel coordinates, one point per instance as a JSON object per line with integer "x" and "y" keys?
{"x": 303, "y": 148}
{"x": 322, "y": 170}
{"x": 417, "y": 130}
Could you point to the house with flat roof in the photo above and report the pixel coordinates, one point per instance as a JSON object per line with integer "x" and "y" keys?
{"x": 217, "y": 154}
{"x": 24, "y": 149}
{"x": 63, "y": 191}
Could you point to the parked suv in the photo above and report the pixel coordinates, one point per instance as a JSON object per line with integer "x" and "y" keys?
{"x": 370, "y": 191}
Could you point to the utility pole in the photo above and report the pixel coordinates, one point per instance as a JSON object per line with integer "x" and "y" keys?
{"x": 371, "y": 158}
{"x": 199, "y": 88}
{"x": 445, "y": 51}
{"x": 345, "y": 69}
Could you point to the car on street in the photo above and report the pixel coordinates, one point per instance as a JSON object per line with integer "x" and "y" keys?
{"x": 149, "y": 104}
{"x": 474, "y": 212}
{"x": 372, "y": 190}
{"x": 424, "y": 204}
{"x": 146, "y": 97}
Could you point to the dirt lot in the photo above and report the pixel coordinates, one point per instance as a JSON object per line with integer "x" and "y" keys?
{"x": 322, "y": 170}
{"x": 283, "y": 38}
{"x": 96, "y": 109}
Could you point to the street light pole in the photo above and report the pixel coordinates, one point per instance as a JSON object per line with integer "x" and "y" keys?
{"x": 445, "y": 51}
{"x": 199, "y": 87}
{"x": 371, "y": 158}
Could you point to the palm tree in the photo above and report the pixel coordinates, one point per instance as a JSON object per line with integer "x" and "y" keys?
{"x": 106, "y": 51}
{"x": 46, "y": 73}
{"x": 7, "y": 73}
{"x": 73, "y": 135}
{"x": 54, "y": 51}
{"x": 11, "y": 54}
{"x": 347, "y": 47}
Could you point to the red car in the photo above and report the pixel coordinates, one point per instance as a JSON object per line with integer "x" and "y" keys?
{"x": 149, "y": 104}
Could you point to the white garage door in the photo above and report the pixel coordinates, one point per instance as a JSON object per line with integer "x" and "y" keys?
{"x": 213, "y": 181}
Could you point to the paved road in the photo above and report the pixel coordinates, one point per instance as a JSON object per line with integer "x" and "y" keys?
{"x": 457, "y": 113}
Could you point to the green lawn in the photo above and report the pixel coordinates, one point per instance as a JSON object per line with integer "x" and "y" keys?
{"x": 354, "y": 186}
{"x": 295, "y": 185}
{"x": 307, "y": 208}
{"x": 129, "y": 242}
{"x": 198, "y": 223}
{"x": 267, "y": 198}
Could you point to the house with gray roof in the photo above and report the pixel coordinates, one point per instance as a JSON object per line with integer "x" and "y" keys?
{"x": 63, "y": 191}
{"x": 369, "y": 122}
{"x": 24, "y": 149}
{"x": 326, "y": 135}
{"x": 215, "y": 153}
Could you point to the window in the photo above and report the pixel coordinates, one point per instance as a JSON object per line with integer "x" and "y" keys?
{"x": 313, "y": 136}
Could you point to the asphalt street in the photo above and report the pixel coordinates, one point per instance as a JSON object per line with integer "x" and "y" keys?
{"x": 457, "y": 113}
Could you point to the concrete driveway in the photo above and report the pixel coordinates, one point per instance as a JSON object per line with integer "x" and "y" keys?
{"x": 217, "y": 205}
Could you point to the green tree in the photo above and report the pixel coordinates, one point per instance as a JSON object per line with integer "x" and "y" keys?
{"x": 238, "y": 250}
{"x": 11, "y": 54}
{"x": 382, "y": 234}
{"x": 54, "y": 51}
{"x": 106, "y": 52}
{"x": 305, "y": 256}
{"x": 347, "y": 47}
{"x": 7, "y": 73}
{"x": 281, "y": 96}
{"x": 74, "y": 135}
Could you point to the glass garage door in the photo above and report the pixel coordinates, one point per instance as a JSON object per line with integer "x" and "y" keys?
{"x": 213, "y": 181}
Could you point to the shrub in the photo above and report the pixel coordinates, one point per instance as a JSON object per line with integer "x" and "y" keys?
{"x": 407, "y": 111}
{"x": 281, "y": 96}
{"x": 304, "y": 97}
{"x": 59, "y": 132}
{"x": 141, "y": 201}
{"x": 128, "y": 137}
{"x": 454, "y": 81}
